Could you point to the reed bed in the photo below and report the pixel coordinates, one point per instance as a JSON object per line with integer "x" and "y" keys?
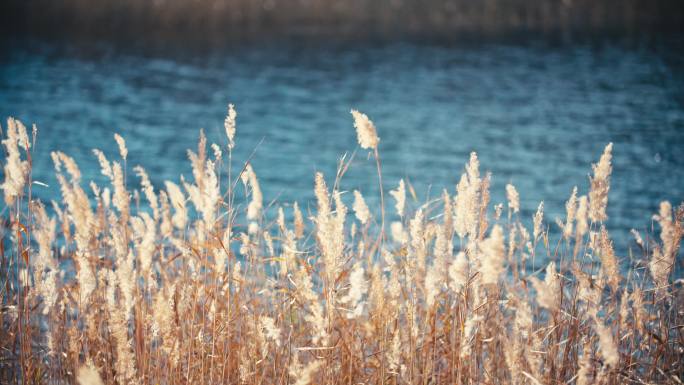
{"x": 198, "y": 282}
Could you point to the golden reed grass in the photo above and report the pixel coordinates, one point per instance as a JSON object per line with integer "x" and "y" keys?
{"x": 194, "y": 284}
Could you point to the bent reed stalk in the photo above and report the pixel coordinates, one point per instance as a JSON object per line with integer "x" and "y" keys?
{"x": 191, "y": 287}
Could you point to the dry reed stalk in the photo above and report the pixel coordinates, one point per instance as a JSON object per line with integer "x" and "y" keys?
{"x": 188, "y": 287}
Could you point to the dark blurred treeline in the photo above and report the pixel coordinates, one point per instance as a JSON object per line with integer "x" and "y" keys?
{"x": 207, "y": 20}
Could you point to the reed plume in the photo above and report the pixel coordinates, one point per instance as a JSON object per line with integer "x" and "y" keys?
{"x": 182, "y": 282}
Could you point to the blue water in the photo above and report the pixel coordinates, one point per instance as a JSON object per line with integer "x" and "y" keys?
{"x": 538, "y": 115}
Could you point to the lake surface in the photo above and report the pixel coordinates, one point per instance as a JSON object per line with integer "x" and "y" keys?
{"x": 537, "y": 114}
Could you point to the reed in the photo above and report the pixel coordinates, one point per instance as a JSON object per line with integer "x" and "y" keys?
{"x": 196, "y": 281}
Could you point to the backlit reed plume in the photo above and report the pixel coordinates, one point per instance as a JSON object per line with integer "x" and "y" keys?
{"x": 16, "y": 170}
{"x": 229, "y": 125}
{"x": 193, "y": 281}
{"x": 600, "y": 184}
{"x": 365, "y": 131}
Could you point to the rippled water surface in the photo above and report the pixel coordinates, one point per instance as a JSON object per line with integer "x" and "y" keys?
{"x": 537, "y": 115}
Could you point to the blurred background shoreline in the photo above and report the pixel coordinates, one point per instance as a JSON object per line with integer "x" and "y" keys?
{"x": 216, "y": 22}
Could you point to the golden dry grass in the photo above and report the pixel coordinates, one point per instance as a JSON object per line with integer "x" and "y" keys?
{"x": 193, "y": 284}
